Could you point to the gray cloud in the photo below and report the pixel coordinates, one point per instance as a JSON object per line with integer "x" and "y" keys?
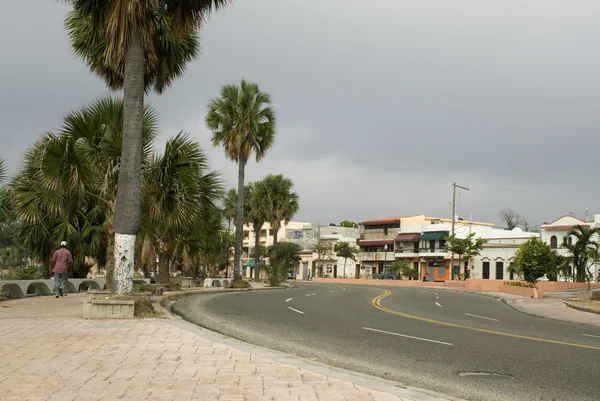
{"x": 380, "y": 108}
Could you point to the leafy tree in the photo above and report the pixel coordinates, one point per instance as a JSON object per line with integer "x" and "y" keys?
{"x": 243, "y": 122}
{"x": 582, "y": 251}
{"x": 467, "y": 247}
{"x": 405, "y": 269}
{"x": 5, "y": 197}
{"x": 135, "y": 46}
{"x": 344, "y": 250}
{"x": 256, "y": 212}
{"x": 348, "y": 224}
{"x": 282, "y": 202}
{"x": 511, "y": 218}
{"x": 283, "y": 258}
{"x": 533, "y": 259}
{"x": 324, "y": 251}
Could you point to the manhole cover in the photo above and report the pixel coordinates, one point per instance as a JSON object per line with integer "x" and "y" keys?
{"x": 486, "y": 375}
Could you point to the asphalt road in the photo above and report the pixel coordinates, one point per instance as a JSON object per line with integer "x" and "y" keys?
{"x": 461, "y": 344}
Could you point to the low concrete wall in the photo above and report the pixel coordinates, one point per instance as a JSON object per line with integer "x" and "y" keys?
{"x": 216, "y": 282}
{"x": 391, "y": 283}
{"x": 19, "y": 288}
{"x": 108, "y": 309}
{"x": 522, "y": 291}
{"x": 542, "y": 286}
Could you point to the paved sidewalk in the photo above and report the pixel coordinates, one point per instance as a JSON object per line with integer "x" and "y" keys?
{"x": 552, "y": 308}
{"x": 50, "y": 353}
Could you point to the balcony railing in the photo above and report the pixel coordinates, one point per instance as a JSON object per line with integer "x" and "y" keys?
{"x": 407, "y": 250}
{"x": 433, "y": 250}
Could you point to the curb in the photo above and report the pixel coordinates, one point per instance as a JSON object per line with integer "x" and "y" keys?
{"x": 581, "y": 308}
{"x": 373, "y": 382}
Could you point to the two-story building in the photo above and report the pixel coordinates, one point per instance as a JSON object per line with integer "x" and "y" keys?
{"x": 556, "y": 234}
{"x": 377, "y": 244}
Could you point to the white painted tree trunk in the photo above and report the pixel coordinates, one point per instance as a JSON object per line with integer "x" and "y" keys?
{"x": 124, "y": 263}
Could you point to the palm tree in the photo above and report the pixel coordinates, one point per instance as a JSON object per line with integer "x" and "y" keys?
{"x": 78, "y": 168}
{"x": 243, "y": 121}
{"x": 180, "y": 196}
{"x": 255, "y": 211}
{"x": 5, "y": 197}
{"x": 135, "y": 46}
{"x": 581, "y": 250}
{"x": 283, "y": 202}
{"x": 344, "y": 250}
{"x": 229, "y": 206}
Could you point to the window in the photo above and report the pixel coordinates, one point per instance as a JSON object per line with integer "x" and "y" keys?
{"x": 246, "y": 234}
{"x": 385, "y": 230}
{"x": 432, "y": 246}
{"x": 553, "y": 242}
{"x": 271, "y": 232}
{"x": 486, "y": 270}
{"x": 511, "y": 275}
{"x": 263, "y": 233}
{"x": 499, "y": 270}
{"x": 442, "y": 244}
{"x": 416, "y": 266}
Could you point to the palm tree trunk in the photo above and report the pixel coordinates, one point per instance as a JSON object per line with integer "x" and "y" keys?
{"x": 345, "y": 259}
{"x": 163, "y": 267}
{"x": 128, "y": 211}
{"x": 275, "y": 228}
{"x": 256, "y": 251}
{"x": 239, "y": 224}
{"x": 110, "y": 255}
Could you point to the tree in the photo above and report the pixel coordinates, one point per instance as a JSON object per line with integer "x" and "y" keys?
{"x": 283, "y": 258}
{"x": 282, "y": 202}
{"x": 583, "y": 250}
{"x": 533, "y": 259}
{"x": 348, "y": 224}
{"x": 511, "y": 218}
{"x": 467, "y": 247}
{"x": 5, "y": 197}
{"x": 256, "y": 212}
{"x": 135, "y": 46}
{"x": 180, "y": 196}
{"x": 344, "y": 250}
{"x": 229, "y": 206}
{"x": 324, "y": 251}
{"x": 243, "y": 122}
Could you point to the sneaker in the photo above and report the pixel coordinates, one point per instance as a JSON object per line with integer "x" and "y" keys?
{"x": 57, "y": 296}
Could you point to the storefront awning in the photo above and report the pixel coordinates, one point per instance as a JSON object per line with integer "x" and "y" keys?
{"x": 434, "y": 236}
{"x": 407, "y": 237}
{"x": 376, "y": 242}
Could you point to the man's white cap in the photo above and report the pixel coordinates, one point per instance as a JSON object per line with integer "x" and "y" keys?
{"x": 64, "y": 243}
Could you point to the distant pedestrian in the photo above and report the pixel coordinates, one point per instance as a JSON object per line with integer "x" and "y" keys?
{"x": 426, "y": 276}
{"x": 62, "y": 260}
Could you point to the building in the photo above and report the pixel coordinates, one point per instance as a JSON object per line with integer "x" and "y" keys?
{"x": 420, "y": 240}
{"x": 556, "y": 235}
{"x": 306, "y": 235}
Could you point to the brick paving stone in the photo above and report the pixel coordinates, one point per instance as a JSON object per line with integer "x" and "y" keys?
{"x": 142, "y": 359}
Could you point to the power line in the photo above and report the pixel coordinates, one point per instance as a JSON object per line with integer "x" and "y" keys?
{"x": 591, "y": 191}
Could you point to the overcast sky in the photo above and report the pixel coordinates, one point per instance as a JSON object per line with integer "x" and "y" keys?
{"x": 381, "y": 104}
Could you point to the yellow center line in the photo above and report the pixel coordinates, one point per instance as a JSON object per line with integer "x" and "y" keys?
{"x": 377, "y": 304}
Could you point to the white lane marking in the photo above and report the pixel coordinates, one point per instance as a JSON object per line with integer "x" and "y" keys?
{"x": 404, "y": 335}
{"x": 483, "y": 317}
{"x": 332, "y": 291}
{"x": 307, "y": 295}
{"x": 343, "y": 289}
{"x": 296, "y": 310}
{"x": 437, "y": 303}
{"x": 590, "y": 335}
{"x": 314, "y": 294}
{"x": 289, "y": 299}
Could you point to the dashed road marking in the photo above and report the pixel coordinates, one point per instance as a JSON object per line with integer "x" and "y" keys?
{"x": 482, "y": 317}
{"x": 289, "y": 299}
{"x": 295, "y": 310}
{"x": 406, "y": 336}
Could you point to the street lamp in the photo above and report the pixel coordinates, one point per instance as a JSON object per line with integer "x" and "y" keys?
{"x": 385, "y": 248}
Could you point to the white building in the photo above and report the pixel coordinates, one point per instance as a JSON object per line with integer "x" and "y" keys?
{"x": 556, "y": 232}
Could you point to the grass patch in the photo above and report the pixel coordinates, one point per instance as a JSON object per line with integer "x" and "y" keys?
{"x": 142, "y": 308}
{"x": 239, "y": 284}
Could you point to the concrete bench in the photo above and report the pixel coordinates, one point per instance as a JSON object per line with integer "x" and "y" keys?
{"x": 20, "y": 288}
{"x": 216, "y": 282}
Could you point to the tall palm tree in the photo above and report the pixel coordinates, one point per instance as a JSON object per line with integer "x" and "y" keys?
{"x": 229, "y": 206}
{"x": 78, "y": 167}
{"x": 344, "y": 250}
{"x": 255, "y": 211}
{"x": 282, "y": 201}
{"x": 243, "y": 122}
{"x": 180, "y": 196}
{"x": 5, "y": 197}
{"x": 135, "y": 46}
{"x": 580, "y": 250}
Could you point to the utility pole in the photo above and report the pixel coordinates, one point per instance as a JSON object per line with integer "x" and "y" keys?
{"x": 454, "y": 186}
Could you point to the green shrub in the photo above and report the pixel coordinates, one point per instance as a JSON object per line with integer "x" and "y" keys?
{"x": 596, "y": 295}
{"x": 518, "y": 284}
{"x": 27, "y": 273}
{"x": 239, "y": 284}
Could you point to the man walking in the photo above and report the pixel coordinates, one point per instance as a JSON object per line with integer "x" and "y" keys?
{"x": 62, "y": 260}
